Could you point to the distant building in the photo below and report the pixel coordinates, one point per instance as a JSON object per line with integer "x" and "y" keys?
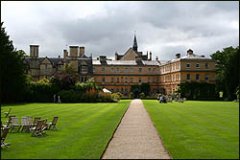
{"x": 44, "y": 67}
{"x": 130, "y": 68}
{"x": 188, "y": 68}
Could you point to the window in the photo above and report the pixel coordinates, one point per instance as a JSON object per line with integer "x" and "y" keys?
{"x": 206, "y": 65}
{"x": 140, "y": 69}
{"x": 149, "y": 69}
{"x": 112, "y": 79}
{"x": 188, "y": 77}
{"x": 197, "y": 65}
{"x": 206, "y": 77}
{"x": 103, "y": 79}
{"x": 188, "y": 65}
{"x": 197, "y": 76}
{"x": 117, "y": 79}
{"x": 131, "y": 79}
{"x": 103, "y": 69}
{"x": 140, "y": 80}
{"x": 126, "y": 70}
{"x": 126, "y": 79}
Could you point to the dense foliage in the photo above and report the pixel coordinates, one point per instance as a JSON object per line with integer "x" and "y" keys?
{"x": 199, "y": 91}
{"x": 228, "y": 72}
{"x": 11, "y": 71}
{"x": 140, "y": 90}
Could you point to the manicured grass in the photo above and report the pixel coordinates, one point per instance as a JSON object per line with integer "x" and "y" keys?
{"x": 83, "y": 130}
{"x": 195, "y": 129}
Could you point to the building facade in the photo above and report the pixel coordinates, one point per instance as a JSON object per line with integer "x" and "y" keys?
{"x": 126, "y": 70}
{"x": 44, "y": 67}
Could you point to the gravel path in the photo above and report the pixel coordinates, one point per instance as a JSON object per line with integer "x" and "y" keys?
{"x": 136, "y": 137}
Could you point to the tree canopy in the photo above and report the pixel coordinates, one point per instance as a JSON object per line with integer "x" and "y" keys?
{"x": 12, "y": 70}
{"x": 228, "y": 73}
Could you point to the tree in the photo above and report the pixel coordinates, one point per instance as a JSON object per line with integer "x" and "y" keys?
{"x": 228, "y": 73}
{"x": 199, "y": 91}
{"x": 11, "y": 70}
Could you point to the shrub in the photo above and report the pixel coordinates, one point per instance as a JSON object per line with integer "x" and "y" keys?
{"x": 115, "y": 97}
{"x": 104, "y": 97}
{"x": 70, "y": 96}
{"x": 142, "y": 95}
{"x": 40, "y": 91}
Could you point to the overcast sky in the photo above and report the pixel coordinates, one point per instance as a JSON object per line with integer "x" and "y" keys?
{"x": 165, "y": 28}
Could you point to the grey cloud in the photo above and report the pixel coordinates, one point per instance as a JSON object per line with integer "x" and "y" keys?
{"x": 165, "y": 28}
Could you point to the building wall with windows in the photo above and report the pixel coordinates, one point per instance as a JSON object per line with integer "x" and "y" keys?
{"x": 131, "y": 68}
{"x": 120, "y": 75}
{"x": 44, "y": 67}
{"x": 189, "y": 68}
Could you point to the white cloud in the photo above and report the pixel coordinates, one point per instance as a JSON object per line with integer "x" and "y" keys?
{"x": 165, "y": 28}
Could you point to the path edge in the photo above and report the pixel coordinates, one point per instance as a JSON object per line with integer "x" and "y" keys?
{"x": 157, "y": 131}
{"x": 115, "y": 130}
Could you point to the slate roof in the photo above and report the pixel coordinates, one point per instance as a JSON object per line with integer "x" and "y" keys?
{"x": 126, "y": 62}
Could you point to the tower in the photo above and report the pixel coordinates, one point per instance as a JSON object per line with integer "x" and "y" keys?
{"x": 135, "y": 46}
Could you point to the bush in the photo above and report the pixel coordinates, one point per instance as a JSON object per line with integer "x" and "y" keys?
{"x": 142, "y": 95}
{"x": 70, "y": 96}
{"x": 104, "y": 97}
{"x": 40, "y": 91}
{"x": 115, "y": 97}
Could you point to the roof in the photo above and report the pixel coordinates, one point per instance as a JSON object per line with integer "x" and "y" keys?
{"x": 190, "y": 57}
{"x": 125, "y": 62}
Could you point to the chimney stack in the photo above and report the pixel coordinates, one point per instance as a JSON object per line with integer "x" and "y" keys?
{"x": 178, "y": 55}
{"x": 150, "y": 56}
{"x": 65, "y": 53}
{"x": 73, "y": 51}
{"x": 34, "y": 50}
{"x": 81, "y": 51}
{"x": 189, "y": 52}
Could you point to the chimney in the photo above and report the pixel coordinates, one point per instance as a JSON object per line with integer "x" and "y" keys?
{"x": 202, "y": 56}
{"x": 65, "y": 53}
{"x": 116, "y": 55}
{"x": 73, "y": 51}
{"x": 103, "y": 59}
{"x": 138, "y": 58}
{"x": 189, "y": 52}
{"x": 150, "y": 56}
{"x": 81, "y": 51}
{"x": 178, "y": 55}
{"x": 156, "y": 58}
{"x": 34, "y": 50}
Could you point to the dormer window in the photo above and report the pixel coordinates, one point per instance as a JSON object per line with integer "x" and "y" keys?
{"x": 197, "y": 65}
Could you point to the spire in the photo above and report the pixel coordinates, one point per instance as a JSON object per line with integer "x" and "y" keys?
{"x": 135, "y": 46}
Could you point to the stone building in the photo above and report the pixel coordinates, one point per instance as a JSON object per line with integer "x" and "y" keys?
{"x": 188, "y": 68}
{"x": 131, "y": 68}
{"x": 45, "y": 67}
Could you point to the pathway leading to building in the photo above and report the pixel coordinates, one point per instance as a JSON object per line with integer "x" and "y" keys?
{"x": 136, "y": 137}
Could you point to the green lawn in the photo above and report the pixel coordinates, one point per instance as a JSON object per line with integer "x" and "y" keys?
{"x": 195, "y": 129}
{"x": 84, "y": 129}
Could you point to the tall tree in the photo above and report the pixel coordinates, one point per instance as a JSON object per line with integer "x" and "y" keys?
{"x": 228, "y": 73}
{"x": 11, "y": 70}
